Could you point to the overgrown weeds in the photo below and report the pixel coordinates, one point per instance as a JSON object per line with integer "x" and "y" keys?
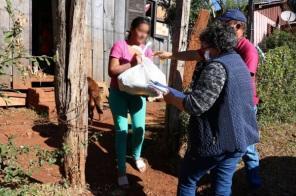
{"x": 14, "y": 172}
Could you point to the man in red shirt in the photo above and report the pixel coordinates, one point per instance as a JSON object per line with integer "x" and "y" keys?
{"x": 249, "y": 54}
{"x": 244, "y": 47}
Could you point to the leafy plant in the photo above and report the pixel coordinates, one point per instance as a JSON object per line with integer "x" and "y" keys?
{"x": 14, "y": 174}
{"x": 235, "y": 4}
{"x": 196, "y": 5}
{"x": 277, "y": 86}
{"x": 278, "y": 38}
{"x": 36, "y": 189}
{"x": 9, "y": 165}
{"x": 183, "y": 131}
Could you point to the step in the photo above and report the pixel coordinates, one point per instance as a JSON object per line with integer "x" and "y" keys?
{"x": 42, "y": 99}
{"x": 12, "y": 99}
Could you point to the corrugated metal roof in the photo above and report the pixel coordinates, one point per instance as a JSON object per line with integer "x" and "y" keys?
{"x": 273, "y": 13}
{"x": 268, "y": 1}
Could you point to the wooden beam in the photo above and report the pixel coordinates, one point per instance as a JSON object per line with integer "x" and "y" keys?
{"x": 179, "y": 41}
{"x": 194, "y": 44}
{"x": 12, "y": 99}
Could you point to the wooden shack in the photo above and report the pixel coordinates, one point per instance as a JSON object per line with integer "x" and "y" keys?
{"x": 267, "y": 17}
{"x": 107, "y": 21}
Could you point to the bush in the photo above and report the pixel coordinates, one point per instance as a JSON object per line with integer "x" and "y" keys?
{"x": 277, "y": 86}
{"x": 277, "y": 39}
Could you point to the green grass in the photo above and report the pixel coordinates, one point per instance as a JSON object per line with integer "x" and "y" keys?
{"x": 41, "y": 190}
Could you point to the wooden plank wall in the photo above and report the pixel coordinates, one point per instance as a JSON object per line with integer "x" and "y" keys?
{"x": 98, "y": 39}
{"x": 24, "y": 7}
{"x": 88, "y": 39}
{"x": 4, "y": 26}
{"x": 162, "y": 45}
{"x": 108, "y": 33}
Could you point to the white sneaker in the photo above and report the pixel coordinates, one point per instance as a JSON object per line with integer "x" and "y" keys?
{"x": 141, "y": 165}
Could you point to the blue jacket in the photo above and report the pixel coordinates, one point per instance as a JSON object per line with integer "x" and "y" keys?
{"x": 230, "y": 124}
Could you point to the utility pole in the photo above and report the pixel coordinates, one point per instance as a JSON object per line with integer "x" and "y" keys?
{"x": 251, "y": 20}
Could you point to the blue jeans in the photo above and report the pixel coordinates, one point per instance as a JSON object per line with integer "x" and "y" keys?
{"x": 251, "y": 160}
{"x": 193, "y": 169}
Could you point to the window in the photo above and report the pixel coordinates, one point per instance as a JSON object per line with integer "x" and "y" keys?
{"x": 150, "y": 9}
{"x": 150, "y": 12}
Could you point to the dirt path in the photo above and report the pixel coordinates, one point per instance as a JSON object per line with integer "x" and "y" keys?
{"x": 277, "y": 150}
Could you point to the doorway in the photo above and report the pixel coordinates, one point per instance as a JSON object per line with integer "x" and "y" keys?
{"x": 42, "y": 32}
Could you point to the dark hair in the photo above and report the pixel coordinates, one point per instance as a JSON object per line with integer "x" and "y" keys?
{"x": 219, "y": 35}
{"x": 137, "y": 22}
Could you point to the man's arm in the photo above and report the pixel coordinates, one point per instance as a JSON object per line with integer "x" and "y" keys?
{"x": 189, "y": 55}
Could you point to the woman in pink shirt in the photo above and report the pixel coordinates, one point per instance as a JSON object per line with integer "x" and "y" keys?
{"x": 123, "y": 57}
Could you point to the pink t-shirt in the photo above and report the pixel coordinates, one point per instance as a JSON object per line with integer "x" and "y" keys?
{"x": 249, "y": 54}
{"x": 120, "y": 51}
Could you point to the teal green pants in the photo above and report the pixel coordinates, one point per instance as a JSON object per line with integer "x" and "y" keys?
{"x": 121, "y": 104}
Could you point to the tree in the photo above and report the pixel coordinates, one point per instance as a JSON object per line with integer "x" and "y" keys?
{"x": 71, "y": 87}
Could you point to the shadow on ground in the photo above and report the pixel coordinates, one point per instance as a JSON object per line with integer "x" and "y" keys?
{"x": 51, "y": 132}
{"x": 278, "y": 173}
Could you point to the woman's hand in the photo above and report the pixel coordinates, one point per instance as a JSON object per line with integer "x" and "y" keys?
{"x": 163, "y": 54}
{"x": 175, "y": 97}
{"x": 137, "y": 59}
{"x": 171, "y": 99}
{"x": 168, "y": 98}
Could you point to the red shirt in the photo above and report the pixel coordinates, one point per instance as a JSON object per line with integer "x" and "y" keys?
{"x": 249, "y": 54}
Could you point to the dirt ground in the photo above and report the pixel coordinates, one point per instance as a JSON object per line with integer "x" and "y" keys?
{"x": 277, "y": 150}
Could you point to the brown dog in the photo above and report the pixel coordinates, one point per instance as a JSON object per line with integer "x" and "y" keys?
{"x": 95, "y": 98}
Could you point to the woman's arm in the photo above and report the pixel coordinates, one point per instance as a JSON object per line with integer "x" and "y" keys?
{"x": 189, "y": 55}
{"x": 115, "y": 68}
{"x": 207, "y": 90}
{"x": 204, "y": 94}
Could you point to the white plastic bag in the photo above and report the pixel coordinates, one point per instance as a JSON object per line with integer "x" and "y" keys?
{"x": 136, "y": 80}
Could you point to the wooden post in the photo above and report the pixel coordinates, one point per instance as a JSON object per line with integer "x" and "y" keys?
{"x": 251, "y": 21}
{"x": 179, "y": 42}
{"x": 71, "y": 87}
{"x": 194, "y": 44}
